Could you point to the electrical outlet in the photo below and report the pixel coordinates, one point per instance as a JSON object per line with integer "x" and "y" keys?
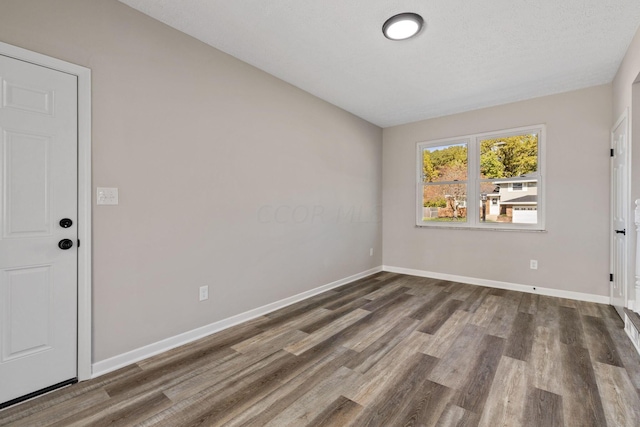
{"x": 533, "y": 264}
{"x": 204, "y": 293}
{"x": 370, "y": 251}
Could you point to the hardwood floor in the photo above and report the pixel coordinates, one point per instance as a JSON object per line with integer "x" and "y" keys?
{"x": 388, "y": 350}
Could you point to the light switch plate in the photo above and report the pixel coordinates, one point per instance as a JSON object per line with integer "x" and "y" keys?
{"x": 107, "y": 196}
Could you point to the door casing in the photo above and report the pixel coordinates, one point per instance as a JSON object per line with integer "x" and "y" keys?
{"x": 84, "y": 193}
{"x": 624, "y": 117}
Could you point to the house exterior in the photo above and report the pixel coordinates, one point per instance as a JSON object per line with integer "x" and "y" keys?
{"x": 516, "y": 201}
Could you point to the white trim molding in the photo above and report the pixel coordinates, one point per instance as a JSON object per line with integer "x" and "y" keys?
{"x": 133, "y": 356}
{"x": 601, "y": 299}
{"x": 636, "y": 305}
{"x": 632, "y": 333}
{"x": 84, "y": 192}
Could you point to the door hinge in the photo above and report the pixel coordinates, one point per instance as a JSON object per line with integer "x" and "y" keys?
{"x": 611, "y": 277}
{"x": 612, "y": 152}
{"x": 78, "y": 242}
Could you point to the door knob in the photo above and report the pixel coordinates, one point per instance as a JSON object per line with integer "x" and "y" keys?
{"x": 623, "y": 232}
{"x": 65, "y": 244}
{"x": 66, "y": 223}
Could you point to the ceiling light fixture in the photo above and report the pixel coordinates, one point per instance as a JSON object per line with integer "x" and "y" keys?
{"x": 402, "y": 26}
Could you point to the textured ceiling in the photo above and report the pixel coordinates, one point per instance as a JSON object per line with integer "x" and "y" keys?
{"x": 472, "y": 54}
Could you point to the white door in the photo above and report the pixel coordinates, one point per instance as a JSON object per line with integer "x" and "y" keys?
{"x": 495, "y": 206}
{"x": 619, "y": 214}
{"x": 38, "y": 189}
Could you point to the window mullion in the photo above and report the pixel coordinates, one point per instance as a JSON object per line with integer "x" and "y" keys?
{"x": 474, "y": 184}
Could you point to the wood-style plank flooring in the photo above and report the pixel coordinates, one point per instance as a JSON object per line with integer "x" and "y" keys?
{"x": 388, "y": 350}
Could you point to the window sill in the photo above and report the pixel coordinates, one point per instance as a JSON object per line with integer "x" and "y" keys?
{"x": 453, "y": 227}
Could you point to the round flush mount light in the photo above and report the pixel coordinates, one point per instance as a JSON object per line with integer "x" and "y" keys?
{"x": 402, "y": 26}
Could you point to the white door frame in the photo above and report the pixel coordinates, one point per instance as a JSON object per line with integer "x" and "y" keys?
{"x": 84, "y": 193}
{"x": 624, "y": 116}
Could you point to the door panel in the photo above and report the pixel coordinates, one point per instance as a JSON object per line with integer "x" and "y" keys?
{"x": 26, "y": 185}
{"x": 38, "y": 187}
{"x": 31, "y": 99}
{"x": 28, "y": 296}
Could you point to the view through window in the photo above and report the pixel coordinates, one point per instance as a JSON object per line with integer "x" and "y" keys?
{"x": 496, "y": 174}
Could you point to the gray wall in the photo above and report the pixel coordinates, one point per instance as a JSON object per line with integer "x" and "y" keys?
{"x": 573, "y": 254}
{"x": 228, "y": 177}
{"x": 232, "y": 178}
{"x": 626, "y": 75}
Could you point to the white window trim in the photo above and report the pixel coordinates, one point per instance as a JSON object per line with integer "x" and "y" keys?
{"x": 473, "y": 179}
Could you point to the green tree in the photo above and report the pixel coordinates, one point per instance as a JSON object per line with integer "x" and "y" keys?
{"x": 449, "y": 155}
{"x": 490, "y": 164}
{"x": 429, "y": 172}
{"x": 517, "y": 154}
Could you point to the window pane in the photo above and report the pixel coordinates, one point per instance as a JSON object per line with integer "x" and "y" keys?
{"x": 444, "y": 163}
{"x": 509, "y": 157}
{"x": 445, "y": 203}
{"x": 513, "y": 202}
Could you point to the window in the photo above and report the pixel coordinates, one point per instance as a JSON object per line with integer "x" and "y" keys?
{"x": 499, "y": 173}
{"x": 444, "y": 174}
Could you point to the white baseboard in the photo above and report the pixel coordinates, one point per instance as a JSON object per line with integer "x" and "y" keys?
{"x": 133, "y": 356}
{"x": 602, "y": 299}
{"x": 632, "y": 333}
